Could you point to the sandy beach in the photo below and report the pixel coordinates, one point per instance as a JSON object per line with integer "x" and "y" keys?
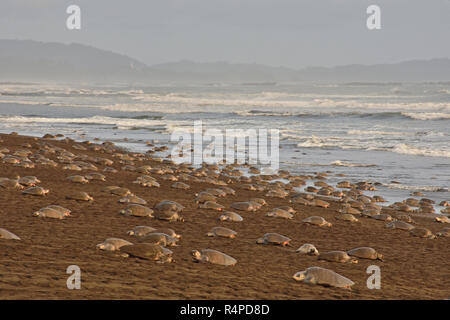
{"x": 35, "y": 266}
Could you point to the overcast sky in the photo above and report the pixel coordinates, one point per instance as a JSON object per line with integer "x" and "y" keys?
{"x": 292, "y": 33}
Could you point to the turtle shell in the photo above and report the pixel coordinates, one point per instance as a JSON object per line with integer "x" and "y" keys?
{"x": 326, "y": 277}
{"x": 147, "y": 251}
{"x": 217, "y": 257}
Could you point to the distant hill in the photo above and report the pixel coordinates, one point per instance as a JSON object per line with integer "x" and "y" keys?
{"x": 26, "y": 60}
{"x": 33, "y": 60}
{"x": 414, "y": 70}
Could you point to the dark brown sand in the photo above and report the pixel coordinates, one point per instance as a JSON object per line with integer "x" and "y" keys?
{"x": 35, "y": 267}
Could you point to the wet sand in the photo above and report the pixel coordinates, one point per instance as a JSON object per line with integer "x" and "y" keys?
{"x": 35, "y": 267}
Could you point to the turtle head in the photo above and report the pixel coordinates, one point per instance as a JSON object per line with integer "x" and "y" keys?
{"x": 260, "y": 241}
{"x": 210, "y": 234}
{"x": 353, "y": 260}
{"x": 131, "y": 232}
{"x": 299, "y": 276}
{"x": 329, "y": 224}
{"x": 380, "y": 257}
{"x": 36, "y": 214}
{"x": 196, "y": 255}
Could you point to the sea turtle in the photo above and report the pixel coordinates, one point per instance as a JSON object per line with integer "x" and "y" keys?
{"x": 181, "y": 185}
{"x": 401, "y": 225}
{"x": 444, "y": 232}
{"x": 337, "y": 256}
{"x": 140, "y": 231}
{"x": 72, "y": 167}
{"x": 204, "y": 196}
{"x": 405, "y": 218}
{"x": 248, "y": 187}
{"x": 365, "y": 253}
{"x": 259, "y": 201}
{"x": 213, "y": 256}
{"x": 167, "y": 231}
{"x": 280, "y": 213}
{"x": 96, "y": 176}
{"x": 29, "y": 181}
{"x": 148, "y": 251}
{"x": 216, "y": 192}
{"x": 443, "y": 219}
{"x": 36, "y": 191}
{"x": 5, "y": 234}
{"x": 228, "y": 190}
{"x": 160, "y": 238}
{"x": 422, "y": 233}
{"x": 63, "y": 210}
{"x": 79, "y": 196}
{"x": 318, "y": 221}
{"x": 78, "y": 179}
{"x": 277, "y": 193}
{"x": 244, "y": 206}
{"x": 275, "y": 239}
{"x": 300, "y": 200}
{"x": 378, "y": 199}
{"x": 382, "y": 217}
{"x": 324, "y": 277}
{"x": 109, "y": 188}
{"x": 120, "y": 191}
{"x": 222, "y": 232}
{"x": 346, "y": 217}
{"x": 168, "y": 215}
{"x": 308, "y": 249}
{"x": 319, "y": 203}
{"x": 10, "y": 184}
{"x": 288, "y": 209}
{"x": 49, "y": 213}
{"x": 350, "y": 210}
{"x": 230, "y": 216}
{"x": 112, "y": 244}
{"x": 168, "y": 205}
{"x": 132, "y": 199}
{"x": 444, "y": 203}
{"x": 137, "y": 210}
{"x": 211, "y": 205}
{"x": 311, "y": 189}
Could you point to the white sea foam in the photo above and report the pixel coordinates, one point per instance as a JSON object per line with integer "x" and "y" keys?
{"x": 119, "y": 122}
{"x": 420, "y": 151}
{"x": 427, "y": 115}
{"x": 376, "y": 132}
{"x": 339, "y": 163}
{"x": 415, "y": 188}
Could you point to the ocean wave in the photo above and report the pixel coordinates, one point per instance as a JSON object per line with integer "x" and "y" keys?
{"x": 376, "y": 132}
{"x": 345, "y": 144}
{"x": 427, "y": 115}
{"x": 415, "y": 188}
{"x": 420, "y": 151}
{"x": 95, "y": 120}
{"x": 339, "y": 163}
{"x": 66, "y": 92}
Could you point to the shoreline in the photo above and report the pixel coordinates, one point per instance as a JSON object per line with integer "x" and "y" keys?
{"x": 35, "y": 267}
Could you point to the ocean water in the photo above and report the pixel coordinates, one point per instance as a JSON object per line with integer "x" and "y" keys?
{"x": 397, "y": 134}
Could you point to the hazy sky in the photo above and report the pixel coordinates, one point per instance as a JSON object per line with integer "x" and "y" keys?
{"x": 293, "y": 33}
